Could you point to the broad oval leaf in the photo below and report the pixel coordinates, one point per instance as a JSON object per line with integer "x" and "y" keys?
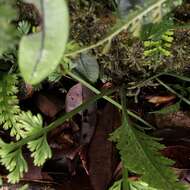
{"x": 87, "y": 67}
{"x": 40, "y": 53}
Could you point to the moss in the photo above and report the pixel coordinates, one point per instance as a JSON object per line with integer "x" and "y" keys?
{"x": 123, "y": 60}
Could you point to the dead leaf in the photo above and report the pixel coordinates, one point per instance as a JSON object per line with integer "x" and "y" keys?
{"x": 89, "y": 117}
{"x": 35, "y": 173}
{"x": 49, "y": 104}
{"x": 101, "y": 153}
{"x": 157, "y": 100}
{"x": 180, "y": 154}
{"x": 176, "y": 119}
{"x": 78, "y": 182}
{"x": 73, "y": 98}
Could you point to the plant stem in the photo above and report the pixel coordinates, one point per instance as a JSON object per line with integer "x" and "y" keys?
{"x": 93, "y": 89}
{"x": 187, "y": 79}
{"x": 96, "y": 91}
{"x": 174, "y": 92}
{"x": 62, "y": 119}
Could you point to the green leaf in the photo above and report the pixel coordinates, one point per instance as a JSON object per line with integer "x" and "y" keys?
{"x": 140, "y": 154}
{"x": 87, "y": 66}
{"x": 40, "y": 150}
{"x": 40, "y": 53}
{"x": 13, "y": 160}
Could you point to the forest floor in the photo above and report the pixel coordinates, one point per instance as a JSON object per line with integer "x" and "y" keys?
{"x": 83, "y": 158}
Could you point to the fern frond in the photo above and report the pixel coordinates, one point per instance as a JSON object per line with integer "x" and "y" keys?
{"x": 159, "y": 47}
{"x": 29, "y": 125}
{"x": 40, "y": 150}
{"x": 11, "y": 154}
{"x": 9, "y": 108}
{"x": 13, "y": 160}
{"x": 140, "y": 154}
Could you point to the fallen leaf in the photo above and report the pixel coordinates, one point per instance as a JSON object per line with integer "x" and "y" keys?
{"x": 35, "y": 173}
{"x": 180, "y": 154}
{"x": 177, "y": 119}
{"x": 73, "y": 98}
{"x": 78, "y": 182}
{"x": 157, "y": 100}
{"x": 101, "y": 154}
{"x": 49, "y": 104}
{"x": 89, "y": 117}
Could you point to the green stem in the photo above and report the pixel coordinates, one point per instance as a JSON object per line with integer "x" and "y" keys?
{"x": 93, "y": 89}
{"x": 125, "y": 183}
{"x": 96, "y": 91}
{"x": 62, "y": 119}
{"x": 144, "y": 83}
{"x": 173, "y": 91}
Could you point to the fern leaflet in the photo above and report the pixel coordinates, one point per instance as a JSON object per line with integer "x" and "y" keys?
{"x": 40, "y": 150}
{"x": 13, "y": 160}
{"x": 9, "y": 108}
{"x": 29, "y": 125}
{"x": 140, "y": 154}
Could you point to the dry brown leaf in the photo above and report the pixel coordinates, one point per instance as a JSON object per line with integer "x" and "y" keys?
{"x": 101, "y": 153}
{"x": 49, "y": 104}
{"x": 157, "y": 100}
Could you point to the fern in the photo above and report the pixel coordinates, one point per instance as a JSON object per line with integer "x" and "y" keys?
{"x": 140, "y": 154}
{"x": 29, "y": 124}
{"x": 11, "y": 154}
{"x": 34, "y": 135}
{"x": 40, "y": 150}
{"x": 158, "y": 39}
{"x": 134, "y": 185}
{"x": 9, "y": 109}
{"x": 13, "y": 160}
{"x": 159, "y": 47}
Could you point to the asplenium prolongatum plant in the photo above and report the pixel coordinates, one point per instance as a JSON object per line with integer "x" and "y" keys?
{"x": 39, "y": 54}
{"x": 140, "y": 154}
